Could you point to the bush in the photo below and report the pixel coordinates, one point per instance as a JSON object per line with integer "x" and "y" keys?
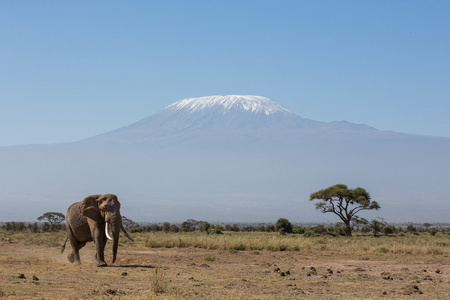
{"x": 388, "y": 230}
{"x": 174, "y": 228}
{"x": 319, "y": 229}
{"x": 270, "y": 228}
{"x": 411, "y": 228}
{"x": 283, "y": 226}
{"x": 299, "y": 230}
{"x": 34, "y": 228}
{"x": 217, "y": 230}
{"x": 166, "y": 227}
{"x": 46, "y": 227}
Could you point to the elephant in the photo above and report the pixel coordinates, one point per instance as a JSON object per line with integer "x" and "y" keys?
{"x": 89, "y": 220}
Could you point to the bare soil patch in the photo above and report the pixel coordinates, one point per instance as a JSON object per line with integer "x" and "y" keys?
{"x": 30, "y": 271}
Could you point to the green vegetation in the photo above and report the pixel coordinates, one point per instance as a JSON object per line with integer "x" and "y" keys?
{"x": 283, "y": 226}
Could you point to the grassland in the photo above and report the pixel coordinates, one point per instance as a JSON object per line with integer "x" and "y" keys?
{"x": 230, "y": 266}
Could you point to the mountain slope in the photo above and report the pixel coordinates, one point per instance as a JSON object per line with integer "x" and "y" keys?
{"x": 222, "y": 115}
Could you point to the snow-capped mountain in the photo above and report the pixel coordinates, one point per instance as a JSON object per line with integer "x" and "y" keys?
{"x": 231, "y": 159}
{"x": 254, "y": 104}
{"x": 234, "y": 115}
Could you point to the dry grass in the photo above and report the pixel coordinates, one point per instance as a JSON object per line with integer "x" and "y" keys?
{"x": 230, "y": 266}
{"x": 408, "y": 244}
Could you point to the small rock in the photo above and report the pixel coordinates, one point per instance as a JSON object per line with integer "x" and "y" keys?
{"x": 412, "y": 289}
{"x": 124, "y": 274}
{"x": 282, "y": 274}
{"x": 330, "y": 271}
{"x": 438, "y": 271}
{"x": 111, "y": 292}
{"x": 288, "y": 272}
{"x": 313, "y": 271}
{"x": 277, "y": 270}
{"x": 21, "y": 276}
{"x": 35, "y": 278}
{"x": 384, "y": 293}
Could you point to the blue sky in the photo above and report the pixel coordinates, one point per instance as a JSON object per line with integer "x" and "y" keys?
{"x": 73, "y": 69}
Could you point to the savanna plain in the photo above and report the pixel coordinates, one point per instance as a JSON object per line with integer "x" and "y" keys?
{"x": 232, "y": 265}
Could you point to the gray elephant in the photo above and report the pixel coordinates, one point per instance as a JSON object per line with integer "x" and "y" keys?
{"x": 89, "y": 220}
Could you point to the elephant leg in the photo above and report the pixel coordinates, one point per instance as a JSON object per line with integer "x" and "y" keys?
{"x": 100, "y": 242}
{"x": 74, "y": 256}
{"x": 71, "y": 256}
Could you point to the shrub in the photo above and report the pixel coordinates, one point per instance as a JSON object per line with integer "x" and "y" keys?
{"x": 388, "y": 230}
{"x": 217, "y": 230}
{"x": 299, "y": 230}
{"x": 46, "y": 227}
{"x": 411, "y": 228}
{"x": 34, "y": 228}
{"x": 174, "y": 228}
{"x": 283, "y": 226}
{"x": 319, "y": 229}
{"x": 166, "y": 227}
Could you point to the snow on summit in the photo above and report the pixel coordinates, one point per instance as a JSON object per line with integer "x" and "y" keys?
{"x": 255, "y": 104}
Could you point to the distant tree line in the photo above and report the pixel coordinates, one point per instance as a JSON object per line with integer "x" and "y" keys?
{"x": 283, "y": 226}
{"x": 33, "y": 227}
{"x": 54, "y": 222}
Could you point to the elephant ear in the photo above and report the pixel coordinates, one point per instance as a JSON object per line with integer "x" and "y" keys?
{"x": 89, "y": 207}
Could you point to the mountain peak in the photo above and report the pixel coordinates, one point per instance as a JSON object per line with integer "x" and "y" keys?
{"x": 255, "y": 104}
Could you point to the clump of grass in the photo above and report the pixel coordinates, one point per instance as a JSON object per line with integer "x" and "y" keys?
{"x": 383, "y": 250}
{"x": 210, "y": 257}
{"x": 158, "y": 282}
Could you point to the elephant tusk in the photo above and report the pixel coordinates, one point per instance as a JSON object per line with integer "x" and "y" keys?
{"x": 106, "y": 231}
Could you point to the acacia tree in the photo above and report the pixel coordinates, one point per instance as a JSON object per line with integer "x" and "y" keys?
{"x": 52, "y": 217}
{"x": 343, "y": 202}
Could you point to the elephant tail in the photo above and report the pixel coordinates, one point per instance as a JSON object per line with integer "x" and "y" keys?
{"x": 64, "y": 246}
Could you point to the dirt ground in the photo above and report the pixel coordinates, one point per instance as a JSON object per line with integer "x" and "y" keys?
{"x": 189, "y": 273}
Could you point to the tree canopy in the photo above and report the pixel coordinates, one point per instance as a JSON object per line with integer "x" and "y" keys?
{"x": 52, "y": 217}
{"x": 343, "y": 202}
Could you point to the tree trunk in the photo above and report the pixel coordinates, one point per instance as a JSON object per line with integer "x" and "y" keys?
{"x": 348, "y": 229}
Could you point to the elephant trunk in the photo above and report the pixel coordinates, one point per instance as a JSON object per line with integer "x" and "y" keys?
{"x": 115, "y": 220}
